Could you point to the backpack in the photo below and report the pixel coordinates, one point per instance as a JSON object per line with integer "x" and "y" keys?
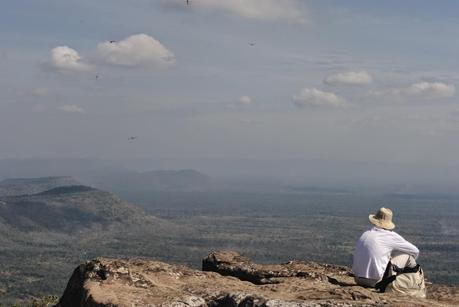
{"x": 409, "y": 281}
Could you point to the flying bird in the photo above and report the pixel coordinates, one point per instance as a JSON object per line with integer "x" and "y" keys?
{"x": 111, "y": 42}
{"x": 132, "y": 138}
{"x": 252, "y": 44}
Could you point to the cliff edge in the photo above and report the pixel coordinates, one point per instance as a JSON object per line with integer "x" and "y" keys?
{"x": 229, "y": 279}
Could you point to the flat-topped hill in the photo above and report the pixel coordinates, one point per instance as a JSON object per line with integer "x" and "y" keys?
{"x": 229, "y": 279}
{"x": 23, "y": 186}
{"x": 69, "y": 208}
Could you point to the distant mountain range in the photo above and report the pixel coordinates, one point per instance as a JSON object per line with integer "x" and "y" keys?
{"x": 183, "y": 180}
{"x": 107, "y": 175}
{"x": 368, "y": 176}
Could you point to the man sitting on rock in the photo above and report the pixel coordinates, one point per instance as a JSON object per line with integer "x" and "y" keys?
{"x": 379, "y": 245}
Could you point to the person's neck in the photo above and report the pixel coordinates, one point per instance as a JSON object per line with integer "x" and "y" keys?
{"x": 379, "y": 228}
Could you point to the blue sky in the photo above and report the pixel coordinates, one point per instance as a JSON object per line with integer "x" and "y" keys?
{"x": 258, "y": 79}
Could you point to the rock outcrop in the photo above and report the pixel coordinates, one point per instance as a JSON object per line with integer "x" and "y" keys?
{"x": 229, "y": 279}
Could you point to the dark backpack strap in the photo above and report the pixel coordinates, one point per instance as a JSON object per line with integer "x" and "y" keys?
{"x": 382, "y": 285}
{"x": 399, "y": 271}
{"x": 386, "y": 279}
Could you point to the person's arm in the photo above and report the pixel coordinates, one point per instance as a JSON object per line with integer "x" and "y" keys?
{"x": 398, "y": 243}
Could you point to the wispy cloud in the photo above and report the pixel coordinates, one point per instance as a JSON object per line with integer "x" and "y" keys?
{"x": 248, "y": 121}
{"x": 289, "y": 10}
{"x": 39, "y": 92}
{"x": 454, "y": 116}
{"x": 72, "y": 109}
{"x": 349, "y": 78}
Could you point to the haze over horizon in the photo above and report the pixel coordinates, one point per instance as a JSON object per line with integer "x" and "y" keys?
{"x": 255, "y": 80}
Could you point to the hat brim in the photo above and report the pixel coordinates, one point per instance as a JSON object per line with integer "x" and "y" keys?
{"x": 380, "y": 223}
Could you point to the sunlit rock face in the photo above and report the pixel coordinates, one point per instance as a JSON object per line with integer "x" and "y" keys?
{"x": 229, "y": 279}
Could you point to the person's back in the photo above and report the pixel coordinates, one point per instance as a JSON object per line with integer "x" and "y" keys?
{"x": 377, "y": 246}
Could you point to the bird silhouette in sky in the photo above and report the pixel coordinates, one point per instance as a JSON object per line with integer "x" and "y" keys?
{"x": 252, "y": 44}
{"x": 111, "y": 42}
{"x": 132, "y": 138}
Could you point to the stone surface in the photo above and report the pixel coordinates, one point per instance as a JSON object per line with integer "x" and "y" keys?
{"x": 233, "y": 264}
{"x": 229, "y": 279}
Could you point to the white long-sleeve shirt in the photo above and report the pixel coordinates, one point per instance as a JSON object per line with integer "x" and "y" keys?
{"x": 373, "y": 251}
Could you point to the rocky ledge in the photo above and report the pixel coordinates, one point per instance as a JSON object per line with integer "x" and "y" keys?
{"x": 229, "y": 279}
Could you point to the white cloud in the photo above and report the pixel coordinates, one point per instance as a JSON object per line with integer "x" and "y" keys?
{"x": 242, "y": 102}
{"x": 419, "y": 90}
{"x": 64, "y": 58}
{"x": 290, "y": 10}
{"x": 72, "y": 109}
{"x": 312, "y": 97}
{"x": 136, "y": 50}
{"x": 431, "y": 89}
{"x": 349, "y": 78}
{"x": 245, "y": 101}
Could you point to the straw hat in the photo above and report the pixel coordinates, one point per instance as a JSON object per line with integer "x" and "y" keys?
{"x": 382, "y": 219}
